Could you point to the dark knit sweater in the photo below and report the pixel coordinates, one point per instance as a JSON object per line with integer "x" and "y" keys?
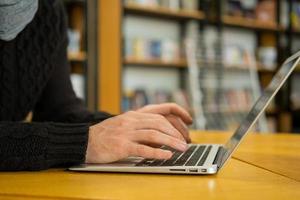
{"x": 35, "y": 76}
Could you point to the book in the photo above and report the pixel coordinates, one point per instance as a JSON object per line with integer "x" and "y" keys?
{"x": 78, "y": 81}
{"x": 151, "y": 49}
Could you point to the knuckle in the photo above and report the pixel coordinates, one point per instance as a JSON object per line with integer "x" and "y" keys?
{"x": 148, "y": 106}
{"x": 173, "y": 104}
{"x": 123, "y": 122}
{"x": 126, "y": 121}
{"x": 160, "y": 120}
{"x": 130, "y": 112}
{"x": 159, "y": 117}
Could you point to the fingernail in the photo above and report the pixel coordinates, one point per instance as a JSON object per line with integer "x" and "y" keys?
{"x": 182, "y": 146}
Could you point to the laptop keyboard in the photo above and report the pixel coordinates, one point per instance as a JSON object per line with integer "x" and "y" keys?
{"x": 194, "y": 156}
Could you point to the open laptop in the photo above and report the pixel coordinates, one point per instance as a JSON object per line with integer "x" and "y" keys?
{"x": 202, "y": 158}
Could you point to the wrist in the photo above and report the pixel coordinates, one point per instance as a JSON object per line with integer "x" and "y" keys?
{"x": 91, "y": 151}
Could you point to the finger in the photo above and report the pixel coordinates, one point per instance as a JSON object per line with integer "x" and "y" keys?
{"x": 156, "y": 137}
{"x": 168, "y": 109}
{"x": 180, "y": 126}
{"x": 149, "y": 152}
{"x": 156, "y": 122}
{"x": 162, "y": 125}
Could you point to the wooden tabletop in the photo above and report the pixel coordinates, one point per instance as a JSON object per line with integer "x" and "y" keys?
{"x": 238, "y": 180}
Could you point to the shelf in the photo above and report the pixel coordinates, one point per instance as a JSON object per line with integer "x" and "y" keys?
{"x": 182, "y": 63}
{"x": 77, "y": 57}
{"x": 264, "y": 70}
{"x": 292, "y": 31}
{"x": 271, "y": 111}
{"x": 155, "y": 63}
{"x": 163, "y": 12}
{"x": 243, "y": 22}
{"x": 261, "y": 68}
{"x": 227, "y": 111}
{"x": 74, "y": 1}
{"x": 77, "y": 68}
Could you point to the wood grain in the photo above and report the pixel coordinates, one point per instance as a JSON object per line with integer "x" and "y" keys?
{"x": 238, "y": 180}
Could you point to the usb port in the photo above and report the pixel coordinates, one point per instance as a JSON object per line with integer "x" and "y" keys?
{"x": 193, "y": 170}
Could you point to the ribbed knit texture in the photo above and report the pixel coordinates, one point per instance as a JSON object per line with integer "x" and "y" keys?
{"x": 35, "y": 76}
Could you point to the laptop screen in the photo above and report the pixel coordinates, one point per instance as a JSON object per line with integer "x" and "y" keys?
{"x": 260, "y": 105}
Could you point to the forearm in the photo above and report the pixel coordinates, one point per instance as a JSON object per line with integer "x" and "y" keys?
{"x": 38, "y": 146}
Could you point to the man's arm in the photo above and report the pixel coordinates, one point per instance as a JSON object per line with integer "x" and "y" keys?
{"x": 37, "y": 146}
{"x": 58, "y": 101}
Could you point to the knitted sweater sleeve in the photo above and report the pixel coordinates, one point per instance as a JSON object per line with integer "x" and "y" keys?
{"x": 38, "y": 146}
{"x": 58, "y": 135}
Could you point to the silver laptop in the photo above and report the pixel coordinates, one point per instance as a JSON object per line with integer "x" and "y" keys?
{"x": 202, "y": 158}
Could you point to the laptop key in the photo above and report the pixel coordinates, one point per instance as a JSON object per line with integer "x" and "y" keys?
{"x": 175, "y": 156}
{"x": 196, "y": 156}
{"x": 203, "y": 159}
{"x": 178, "y": 158}
{"x": 218, "y": 155}
{"x": 168, "y": 148}
{"x": 157, "y": 162}
{"x": 182, "y": 160}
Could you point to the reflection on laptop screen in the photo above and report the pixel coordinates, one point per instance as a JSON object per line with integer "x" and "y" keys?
{"x": 260, "y": 105}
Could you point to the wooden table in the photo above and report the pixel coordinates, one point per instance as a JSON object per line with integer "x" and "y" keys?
{"x": 238, "y": 180}
{"x": 278, "y": 153}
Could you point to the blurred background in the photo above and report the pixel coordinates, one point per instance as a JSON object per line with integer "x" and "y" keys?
{"x": 212, "y": 57}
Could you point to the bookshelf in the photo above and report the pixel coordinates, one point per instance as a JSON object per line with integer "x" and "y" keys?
{"x": 161, "y": 12}
{"x": 247, "y": 23}
{"x": 155, "y": 63}
{"x": 118, "y": 63}
{"x": 81, "y": 49}
{"x": 77, "y": 57}
{"x": 166, "y": 14}
{"x": 182, "y": 63}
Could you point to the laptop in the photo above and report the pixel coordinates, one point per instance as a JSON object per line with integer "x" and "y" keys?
{"x": 202, "y": 158}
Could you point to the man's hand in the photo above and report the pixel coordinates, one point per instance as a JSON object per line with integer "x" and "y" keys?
{"x": 176, "y": 115}
{"x": 139, "y": 133}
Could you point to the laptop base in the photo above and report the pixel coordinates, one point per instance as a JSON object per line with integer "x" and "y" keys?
{"x": 129, "y": 165}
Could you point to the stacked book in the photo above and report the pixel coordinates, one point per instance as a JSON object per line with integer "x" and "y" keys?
{"x": 151, "y": 49}
{"x": 170, "y": 4}
{"x": 135, "y": 99}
